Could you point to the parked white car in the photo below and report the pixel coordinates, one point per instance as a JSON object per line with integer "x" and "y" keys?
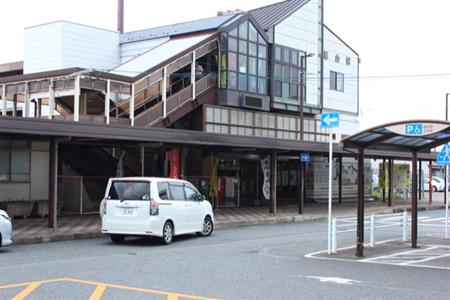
{"x": 437, "y": 185}
{"x": 150, "y": 206}
{"x": 5, "y": 229}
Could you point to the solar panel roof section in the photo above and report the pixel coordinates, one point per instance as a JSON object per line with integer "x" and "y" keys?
{"x": 176, "y": 29}
{"x": 157, "y": 55}
{"x": 270, "y": 15}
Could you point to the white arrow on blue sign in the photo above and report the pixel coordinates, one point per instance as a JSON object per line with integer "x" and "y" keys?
{"x": 330, "y": 119}
{"x": 305, "y": 157}
{"x": 444, "y": 156}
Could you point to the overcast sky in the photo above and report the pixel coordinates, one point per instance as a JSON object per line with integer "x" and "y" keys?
{"x": 401, "y": 43}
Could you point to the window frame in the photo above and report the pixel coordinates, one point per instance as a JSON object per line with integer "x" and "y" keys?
{"x": 337, "y": 81}
{"x": 9, "y": 148}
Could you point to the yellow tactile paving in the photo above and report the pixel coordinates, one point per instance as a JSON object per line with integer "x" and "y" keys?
{"x": 97, "y": 293}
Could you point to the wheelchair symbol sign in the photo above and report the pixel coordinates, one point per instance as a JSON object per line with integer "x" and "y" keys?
{"x": 414, "y": 129}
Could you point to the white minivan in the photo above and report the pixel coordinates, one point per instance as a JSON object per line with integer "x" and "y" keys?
{"x": 150, "y": 206}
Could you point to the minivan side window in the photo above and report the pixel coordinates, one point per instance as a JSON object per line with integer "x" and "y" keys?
{"x": 176, "y": 192}
{"x": 163, "y": 190}
{"x": 129, "y": 190}
{"x": 191, "y": 194}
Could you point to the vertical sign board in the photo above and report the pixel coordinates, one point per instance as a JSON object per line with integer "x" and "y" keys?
{"x": 444, "y": 159}
{"x": 330, "y": 120}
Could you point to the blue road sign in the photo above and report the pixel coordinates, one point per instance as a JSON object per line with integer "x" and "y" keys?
{"x": 444, "y": 156}
{"x": 330, "y": 119}
{"x": 414, "y": 129}
{"x": 305, "y": 157}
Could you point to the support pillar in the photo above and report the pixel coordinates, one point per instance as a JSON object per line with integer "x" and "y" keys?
{"x": 107, "y": 100}
{"x": 14, "y": 112}
{"x": 391, "y": 181}
{"x": 420, "y": 180}
{"x": 4, "y": 100}
{"x": 430, "y": 179}
{"x": 414, "y": 202}
{"x": 384, "y": 180}
{"x": 53, "y": 185}
{"x": 39, "y": 107}
{"x": 164, "y": 92}
{"x": 360, "y": 215}
{"x": 193, "y": 74}
{"x": 340, "y": 179}
{"x": 273, "y": 182}
{"x": 142, "y": 160}
{"x": 301, "y": 198}
{"x": 132, "y": 105}
{"x": 51, "y": 100}
{"x": 76, "y": 100}
{"x": 26, "y": 107}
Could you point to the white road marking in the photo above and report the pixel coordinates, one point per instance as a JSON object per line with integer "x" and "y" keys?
{"x": 336, "y": 280}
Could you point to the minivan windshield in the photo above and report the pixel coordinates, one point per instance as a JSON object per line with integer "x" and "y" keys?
{"x": 129, "y": 190}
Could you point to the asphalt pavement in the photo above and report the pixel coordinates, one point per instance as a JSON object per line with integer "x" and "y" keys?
{"x": 255, "y": 262}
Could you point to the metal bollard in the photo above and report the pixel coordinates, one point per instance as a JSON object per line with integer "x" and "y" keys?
{"x": 372, "y": 230}
{"x": 333, "y": 235}
{"x": 405, "y": 225}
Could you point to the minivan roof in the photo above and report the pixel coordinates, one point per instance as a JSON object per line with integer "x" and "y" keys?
{"x": 155, "y": 179}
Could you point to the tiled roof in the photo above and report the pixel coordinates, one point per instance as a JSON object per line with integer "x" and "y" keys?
{"x": 270, "y": 15}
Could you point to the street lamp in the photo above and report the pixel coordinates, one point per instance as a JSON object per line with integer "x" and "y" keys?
{"x": 301, "y": 94}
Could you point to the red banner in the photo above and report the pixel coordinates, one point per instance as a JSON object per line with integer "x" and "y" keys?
{"x": 174, "y": 163}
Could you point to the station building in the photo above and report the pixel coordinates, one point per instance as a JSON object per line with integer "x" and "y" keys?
{"x": 227, "y": 102}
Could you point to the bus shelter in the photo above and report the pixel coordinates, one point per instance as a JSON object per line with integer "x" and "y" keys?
{"x": 412, "y": 136}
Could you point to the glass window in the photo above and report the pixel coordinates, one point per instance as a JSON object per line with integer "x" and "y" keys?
{"x": 285, "y": 90}
{"x": 337, "y": 58}
{"x": 285, "y": 75}
{"x": 242, "y": 82}
{"x": 176, "y": 192}
{"x": 232, "y": 80}
{"x": 20, "y": 166}
{"x": 294, "y": 57}
{"x": 286, "y": 55}
{"x": 163, "y": 190}
{"x": 262, "y": 51}
{"x": 261, "y": 40}
{"x": 277, "y": 72}
{"x": 191, "y": 194}
{"x": 348, "y": 60}
{"x": 262, "y": 67}
{"x": 130, "y": 190}
{"x": 332, "y": 80}
{"x": 252, "y": 65}
{"x": 242, "y": 46}
{"x": 325, "y": 55}
{"x": 243, "y": 30}
{"x": 252, "y": 84}
{"x": 277, "y": 91}
{"x": 262, "y": 86}
{"x": 252, "y": 49}
{"x": 242, "y": 63}
{"x": 340, "y": 82}
{"x": 277, "y": 53}
{"x": 232, "y": 44}
{"x": 294, "y": 91}
{"x": 294, "y": 75}
{"x": 252, "y": 34}
{"x": 4, "y": 165}
{"x": 233, "y": 32}
{"x": 232, "y": 61}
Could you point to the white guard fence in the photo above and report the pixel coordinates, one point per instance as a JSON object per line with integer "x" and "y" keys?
{"x": 372, "y": 223}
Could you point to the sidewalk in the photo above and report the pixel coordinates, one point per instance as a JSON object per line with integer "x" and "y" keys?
{"x": 31, "y": 231}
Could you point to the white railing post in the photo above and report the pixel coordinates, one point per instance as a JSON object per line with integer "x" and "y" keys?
{"x": 193, "y": 75}
{"x": 76, "y": 100}
{"x": 333, "y": 235}
{"x": 372, "y": 230}
{"x": 132, "y": 105}
{"x": 107, "y": 99}
{"x": 4, "y": 100}
{"x": 51, "y": 100}
{"x": 405, "y": 225}
{"x": 164, "y": 95}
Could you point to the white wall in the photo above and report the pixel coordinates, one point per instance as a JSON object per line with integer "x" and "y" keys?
{"x": 64, "y": 44}
{"x": 346, "y": 101}
{"x": 302, "y": 31}
{"x": 131, "y": 50}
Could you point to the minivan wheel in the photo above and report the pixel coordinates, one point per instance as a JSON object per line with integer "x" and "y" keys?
{"x": 117, "y": 238}
{"x": 208, "y": 226}
{"x": 167, "y": 233}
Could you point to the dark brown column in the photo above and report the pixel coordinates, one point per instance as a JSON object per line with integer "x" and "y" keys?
{"x": 384, "y": 180}
{"x": 301, "y": 198}
{"x": 360, "y": 216}
{"x": 391, "y": 181}
{"x": 273, "y": 183}
{"x": 414, "y": 202}
{"x": 340, "y": 179}
{"x": 420, "y": 180}
{"x": 430, "y": 179}
{"x": 53, "y": 184}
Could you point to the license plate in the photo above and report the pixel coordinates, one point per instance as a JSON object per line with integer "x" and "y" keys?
{"x": 127, "y": 211}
